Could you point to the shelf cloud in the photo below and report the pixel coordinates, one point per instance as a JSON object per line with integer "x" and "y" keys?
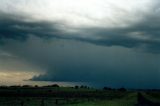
{"x": 83, "y": 40}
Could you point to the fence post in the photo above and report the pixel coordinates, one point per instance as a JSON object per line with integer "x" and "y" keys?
{"x": 56, "y": 101}
{"x": 22, "y": 103}
{"x": 42, "y": 102}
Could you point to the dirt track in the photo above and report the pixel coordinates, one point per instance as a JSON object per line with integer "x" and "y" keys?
{"x": 143, "y": 101}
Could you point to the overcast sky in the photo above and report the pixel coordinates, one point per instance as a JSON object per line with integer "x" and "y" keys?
{"x": 100, "y": 42}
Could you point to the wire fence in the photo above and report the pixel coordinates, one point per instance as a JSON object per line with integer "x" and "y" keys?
{"x": 39, "y": 101}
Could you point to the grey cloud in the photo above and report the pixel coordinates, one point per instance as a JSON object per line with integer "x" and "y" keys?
{"x": 75, "y": 61}
{"x": 18, "y": 27}
{"x": 93, "y": 57}
{"x": 147, "y": 30}
{"x": 115, "y": 66}
{"x": 142, "y": 35}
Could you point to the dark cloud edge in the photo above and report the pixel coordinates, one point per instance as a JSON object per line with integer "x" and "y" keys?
{"x": 14, "y": 27}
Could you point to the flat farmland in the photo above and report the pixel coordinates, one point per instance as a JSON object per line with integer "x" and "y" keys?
{"x": 68, "y": 96}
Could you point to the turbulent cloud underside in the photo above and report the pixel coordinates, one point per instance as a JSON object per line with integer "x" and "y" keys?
{"x": 43, "y": 34}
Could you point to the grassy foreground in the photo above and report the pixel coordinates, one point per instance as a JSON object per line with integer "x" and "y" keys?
{"x": 69, "y": 96}
{"x": 129, "y": 100}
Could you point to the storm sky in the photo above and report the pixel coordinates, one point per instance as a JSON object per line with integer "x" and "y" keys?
{"x": 100, "y": 42}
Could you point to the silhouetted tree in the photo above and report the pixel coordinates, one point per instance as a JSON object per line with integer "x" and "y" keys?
{"x": 27, "y": 86}
{"x": 55, "y": 85}
{"x": 122, "y": 89}
{"x": 107, "y": 88}
{"x": 81, "y": 86}
{"x": 76, "y": 87}
{"x": 36, "y": 86}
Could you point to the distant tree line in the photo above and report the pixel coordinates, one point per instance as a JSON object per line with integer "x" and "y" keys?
{"x": 114, "y": 89}
{"x": 82, "y": 87}
{"x": 76, "y": 87}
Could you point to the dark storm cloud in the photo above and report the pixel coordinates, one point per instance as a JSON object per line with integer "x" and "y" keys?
{"x": 85, "y": 55}
{"x": 18, "y": 27}
{"x": 143, "y": 34}
{"x": 110, "y": 66}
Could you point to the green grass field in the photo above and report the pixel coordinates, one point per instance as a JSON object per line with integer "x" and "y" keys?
{"x": 71, "y": 97}
{"x": 51, "y": 102}
{"x": 128, "y": 100}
